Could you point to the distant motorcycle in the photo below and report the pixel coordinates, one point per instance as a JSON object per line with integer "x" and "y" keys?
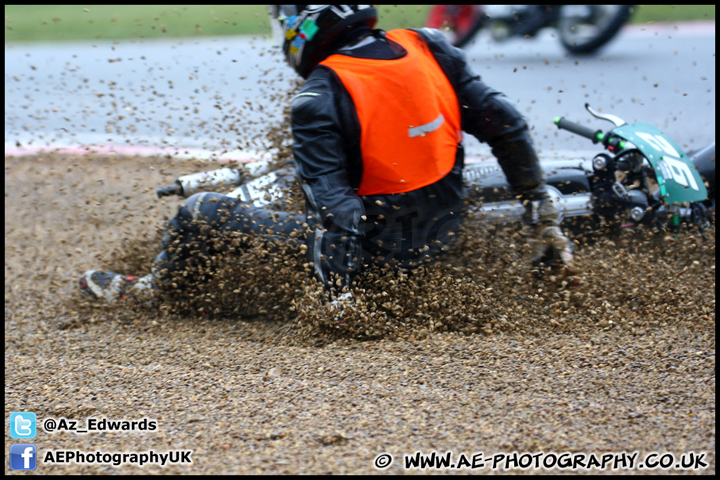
{"x": 643, "y": 178}
{"x": 582, "y": 29}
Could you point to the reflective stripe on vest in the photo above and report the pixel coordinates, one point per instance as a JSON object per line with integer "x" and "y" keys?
{"x": 409, "y": 116}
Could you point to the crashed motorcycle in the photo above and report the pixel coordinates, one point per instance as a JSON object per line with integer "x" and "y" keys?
{"x": 582, "y": 29}
{"x": 641, "y": 178}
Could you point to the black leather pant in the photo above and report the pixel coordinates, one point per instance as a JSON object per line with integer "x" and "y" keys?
{"x": 210, "y": 223}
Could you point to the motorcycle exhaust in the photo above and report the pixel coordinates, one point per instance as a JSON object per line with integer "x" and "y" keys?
{"x": 573, "y": 205}
{"x": 203, "y": 181}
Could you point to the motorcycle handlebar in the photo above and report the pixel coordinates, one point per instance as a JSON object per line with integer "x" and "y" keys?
{"x": 594, "y": 135}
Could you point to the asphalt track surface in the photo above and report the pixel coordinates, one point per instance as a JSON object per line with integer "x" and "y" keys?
{"x": 474, "y": 354}
{"x": 212, "y": 95}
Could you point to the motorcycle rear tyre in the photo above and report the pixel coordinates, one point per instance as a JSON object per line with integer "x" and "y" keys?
{"x": 604, "y": 36}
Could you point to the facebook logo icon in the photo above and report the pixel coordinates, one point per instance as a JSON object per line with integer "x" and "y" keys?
{"x": 23, "y": 425}
{"x": 23, "y": 456}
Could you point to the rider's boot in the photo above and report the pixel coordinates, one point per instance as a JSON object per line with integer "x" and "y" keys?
{"x": 111, "y": 287}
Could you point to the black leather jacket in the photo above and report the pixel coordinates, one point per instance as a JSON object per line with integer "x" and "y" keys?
{"x": 348, "y": 230}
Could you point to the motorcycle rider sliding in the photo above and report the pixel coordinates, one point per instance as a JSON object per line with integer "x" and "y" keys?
{"x": 377, "y": 130}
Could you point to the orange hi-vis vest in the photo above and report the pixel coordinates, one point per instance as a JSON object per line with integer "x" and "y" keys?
{"x": 409, "y": 116}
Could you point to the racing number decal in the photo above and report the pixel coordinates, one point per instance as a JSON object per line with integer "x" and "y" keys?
{"x": 670, "y": 165}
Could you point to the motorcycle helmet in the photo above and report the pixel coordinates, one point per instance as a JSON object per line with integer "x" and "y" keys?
{"x": 309, "y": 33}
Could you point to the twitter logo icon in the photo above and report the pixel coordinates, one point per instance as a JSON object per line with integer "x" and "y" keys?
{"x": 23, "y": 425}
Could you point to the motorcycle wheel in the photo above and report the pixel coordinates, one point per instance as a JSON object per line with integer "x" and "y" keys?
{"x": 583, "y": 29}
{"x": 459, "y": 23}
